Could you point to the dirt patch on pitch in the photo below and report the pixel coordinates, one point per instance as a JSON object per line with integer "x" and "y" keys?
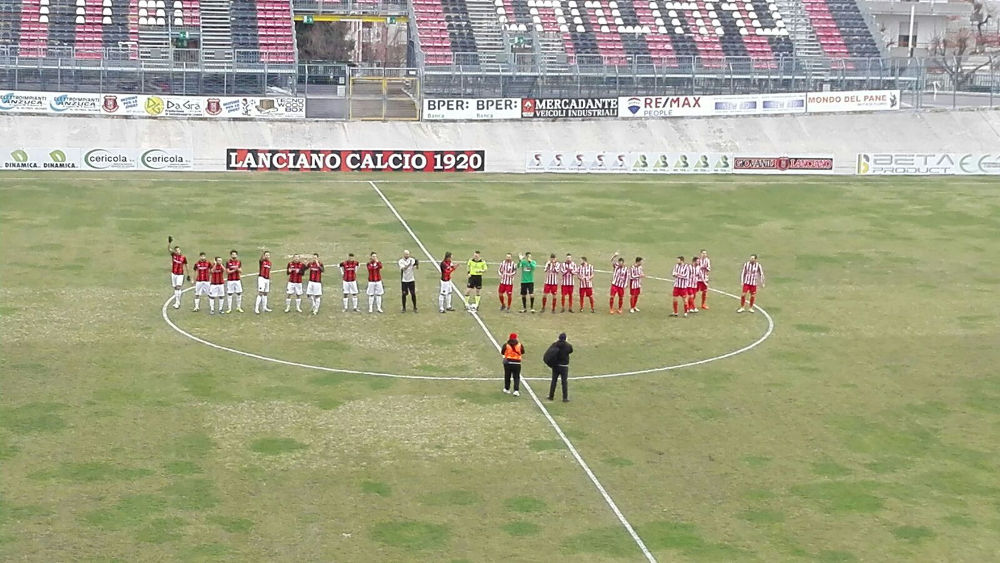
{"x": 369, "y": 432}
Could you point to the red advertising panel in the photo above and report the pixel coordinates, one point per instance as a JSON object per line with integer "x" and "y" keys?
{"x": 336, "y": 160}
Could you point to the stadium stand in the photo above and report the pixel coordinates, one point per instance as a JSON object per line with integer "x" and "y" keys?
{"x": 622, "y": 32}
{"x": 145, "y": 29}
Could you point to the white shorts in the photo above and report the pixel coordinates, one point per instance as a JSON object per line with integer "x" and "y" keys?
{"x": 447, "y": 287}
{"x": 351, "y": 288}
{"x": 294, "y": 289}
{"x": 314, "y": 288}
{"x": 234, "y": 286}
{"x": 217, "y": 290}
{"x": 374, "y": 288}
{"x": 176, "y": 280}
{"x": 263, "y": 284}
{"x": 201, "y": 288}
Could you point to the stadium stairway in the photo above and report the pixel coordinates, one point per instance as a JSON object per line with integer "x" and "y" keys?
{"x": 489, "y": 40}
{"x": 802, "y": 33}
{"x": 217, "y": 31}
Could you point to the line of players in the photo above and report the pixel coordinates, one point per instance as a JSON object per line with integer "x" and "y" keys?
{"x": 223, "y": 281}
{"x": 217, "y": 281}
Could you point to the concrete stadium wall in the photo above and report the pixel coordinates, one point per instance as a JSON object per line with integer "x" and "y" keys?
{"x": 506, "y": 142}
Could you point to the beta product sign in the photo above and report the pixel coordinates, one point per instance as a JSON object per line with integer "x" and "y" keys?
{"x": 783, "y": 164}
{"x": 325, "y": 160}
{"x": 910, "y": 163}
{"x": 556, "y": 108}
{"x": 855, "y": 100}
{"x": 628, "y": 162}
{"x": 466, "y": 109}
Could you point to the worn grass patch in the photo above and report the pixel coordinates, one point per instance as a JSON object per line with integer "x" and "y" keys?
{"x": 456, "y": 497}
{"x": 606, "y": 542}
{"x": 231, "y": 524}
{"x": 524, "y": 504}
{"x": 411, "y": 534}
{"x": 89, "y": 472}
{"x": 521, "y": 528}
{"x": 191, "y": 494}
{"x": 182, "y": 468}
{"x": 33, "y": 418}
{"x": 763, "y": 516}
{"x": 376, "y": 488}
{"x": 685, "y": 538}
{"x": 276, "y": 446}
{"x": 129, "y": 511}
{"x": 546, "y": 445}
{"x": 842, "y": 496}
{"x": 161, "y": 530}
{"x": 913, "y": 534}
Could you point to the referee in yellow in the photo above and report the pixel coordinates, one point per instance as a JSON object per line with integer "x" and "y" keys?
{"x": 477, "y": 267}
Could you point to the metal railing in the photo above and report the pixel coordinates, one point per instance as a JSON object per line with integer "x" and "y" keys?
{"x": 355, "y": 7}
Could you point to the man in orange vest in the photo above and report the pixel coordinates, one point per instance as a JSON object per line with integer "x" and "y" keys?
{"x": 512, "y": 351}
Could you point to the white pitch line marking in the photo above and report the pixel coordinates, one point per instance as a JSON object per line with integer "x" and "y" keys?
{"x": 576, "y": 455}
{"x": 297, "y": 364}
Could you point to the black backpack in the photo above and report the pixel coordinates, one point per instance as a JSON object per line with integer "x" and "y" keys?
{"x": 551, "y": 357}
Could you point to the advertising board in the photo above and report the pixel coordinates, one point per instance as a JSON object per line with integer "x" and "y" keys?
{"x": 338, "y": 160}
{"x": 783, "y": 164}
{"x": 563, "y": 108}
{"x": 147, "y": 105}
{"x": 471, "y": 109}
{"x": 630, "y": 162}
{"x": 915, "y": 164}
{"x": 854, "y": 100}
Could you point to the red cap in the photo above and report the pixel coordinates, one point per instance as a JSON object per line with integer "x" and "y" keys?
{"x": 513, "y": 336}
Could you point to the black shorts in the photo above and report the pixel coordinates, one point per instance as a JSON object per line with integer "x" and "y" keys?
{"x": 475, "y": 282}
{"x": 409, "y": 287}
{"x": 527, "y": 288}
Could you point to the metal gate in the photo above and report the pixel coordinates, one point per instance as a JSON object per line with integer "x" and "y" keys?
{"x": 391, "y": 94}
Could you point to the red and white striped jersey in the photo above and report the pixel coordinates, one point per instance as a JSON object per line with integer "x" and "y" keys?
{"x": 706, "y": 265}
{"x": 552, "y": 272}
{"x": 680, "y": 274}
{"x": 586, "y": 274}
{"x": 568, "y": 270}
{"x": 635, "y": 276}
{"x": 619, "y": 275}
{"x": 753, "y": 273}
{"x": 506, "y": 272}
{"x": 700, "y": 274}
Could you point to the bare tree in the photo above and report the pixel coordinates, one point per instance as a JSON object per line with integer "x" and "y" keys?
{"x": 958, "y": 57}
{"x": 324, "y": 41}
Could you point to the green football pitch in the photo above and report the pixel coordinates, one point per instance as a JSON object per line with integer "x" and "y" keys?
{"x": 855, "y": 418}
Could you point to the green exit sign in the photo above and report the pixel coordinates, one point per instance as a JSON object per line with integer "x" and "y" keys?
{"x": 390, "y": 19}
{"x": 307, "y": 19}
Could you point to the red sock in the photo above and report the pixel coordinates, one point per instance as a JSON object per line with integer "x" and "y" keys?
{"x": 611, "y": 302}
{"x": 743, "y": 300}
{"x": 620, "y": 300}
{"x": 704, "y": 298}
{"x": 691, "y": 302}
{"x": 545, "y": 301}
{"x": 570, "y": 300}
{"x": 591, "y": 301}
{"x": 675, "y": 306}
{"x": 752, "y": 299}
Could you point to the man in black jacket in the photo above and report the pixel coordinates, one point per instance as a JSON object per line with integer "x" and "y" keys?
{"x": 561, "y": 367}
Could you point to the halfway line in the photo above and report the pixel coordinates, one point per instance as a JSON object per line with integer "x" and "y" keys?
{"x": 534, "y": 397}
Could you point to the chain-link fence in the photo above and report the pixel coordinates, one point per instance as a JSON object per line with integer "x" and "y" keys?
{"x": 340, "y": 92}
